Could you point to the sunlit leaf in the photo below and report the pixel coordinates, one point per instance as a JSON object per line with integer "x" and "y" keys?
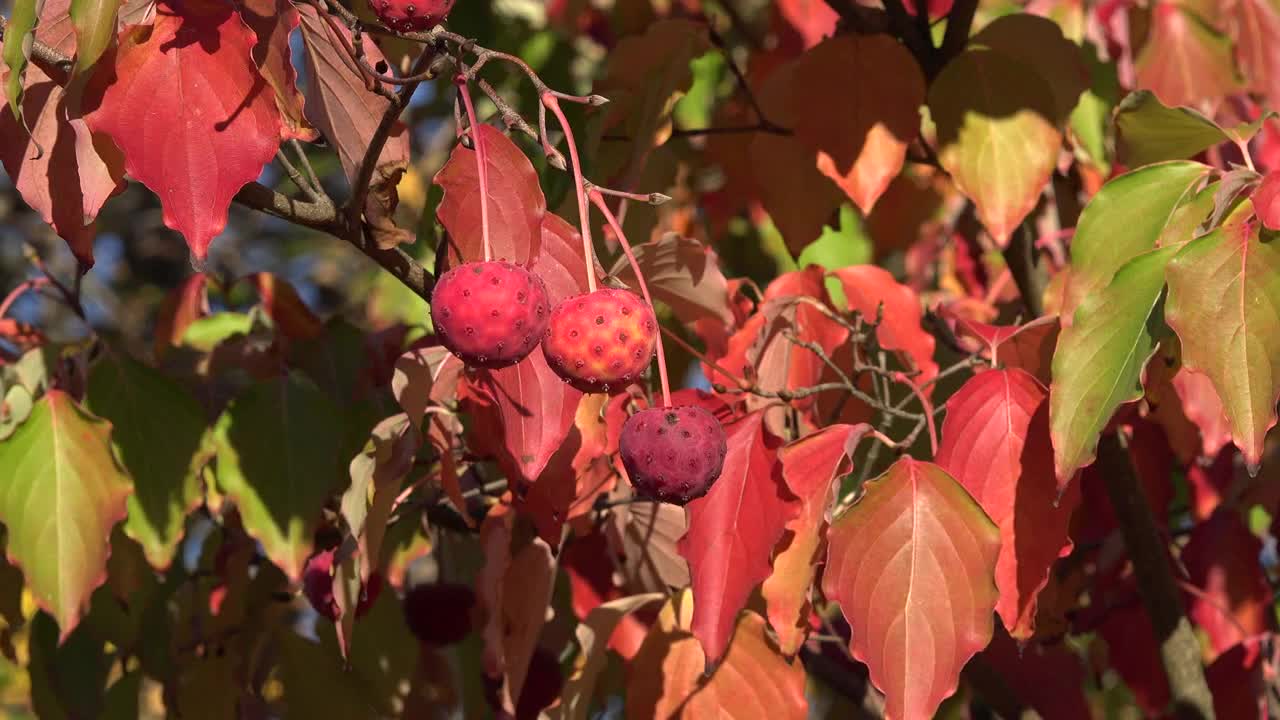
{"x": 912, "y": 566}
{"x": 1148, "y": 131}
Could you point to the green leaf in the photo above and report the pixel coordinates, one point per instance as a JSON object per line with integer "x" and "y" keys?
{"x": 1224, "y": 304}
{"x": 61, "y": 491}
{"x": 1189, "y": 216}
{"x": 306, "y": 666}
{"x": 208, "y": 332}
{"x": 157, "y": 431}
{"x": 278, "y": 457}
{"x": 122, "y": 697}
{"x": 19, "y": 33}
{"x": 1125, "y": 219}
{"x": 1147, "y": 131}
{"x": 1098, "y": 363}
{"x": 1091, "y": 118}
{"x": 834, "y": 249}
{"x": 998, "y": 134}
{"x": 95, "y": 23}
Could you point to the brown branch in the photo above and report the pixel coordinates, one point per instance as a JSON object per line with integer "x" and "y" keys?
{"x": 1149, "y": 553}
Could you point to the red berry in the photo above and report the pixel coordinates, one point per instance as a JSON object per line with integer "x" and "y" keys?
{"x": 601, "y": 341}
{"x": 439, "y": 614}
{"x": 672, "y": 454}
{"x": 317, "y": 585}
{"x": 411, "y": 15}
{"x": 490, "y": 314}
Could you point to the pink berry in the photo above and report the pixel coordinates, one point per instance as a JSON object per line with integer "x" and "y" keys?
{"x": 672, "y": 454}
{"x": 490, "y": 314}
{"x": 601, "y": 341}
{"x": 411, "y": 15}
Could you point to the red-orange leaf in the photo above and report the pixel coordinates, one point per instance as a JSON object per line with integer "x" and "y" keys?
{"x": 1028, "y": 347}
{"x": 810, "y": 466}
{"x": 1184, "y": 60}
{"x": 77, "y": 172}
{"x": 1202, "y": 406}
{"x": 1266, "y": 201}
{"x": 812, "y": 19}
{"x": 516, "y": 203}
{"x": 733, "y": 530}
{"x": 912, "y": 565}
{"x": 995, "y": 442}
{"x": 860, "y": 135}
{"x": 188, "y": 108}
{"x": 273, "y": 21}
{"x": 866, "y": 287}
{"x": 533, "y": 409}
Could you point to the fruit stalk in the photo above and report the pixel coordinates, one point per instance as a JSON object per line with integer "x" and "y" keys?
{"x": 482, "y": 163}
{"x": 609, "y": 217}
{"x": 579, "y": 185}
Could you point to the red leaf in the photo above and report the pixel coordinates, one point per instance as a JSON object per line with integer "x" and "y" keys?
{"x": 813, "y": 19}
{"x": 273, "y": 21}
{"x": 70, "y": 182}
{"x": 865, "y": 288}
{"x": 591, "y": 571}
{"x": 1234, "y": 599}
{"x": 1210, "y": 484}
{"x": 995, "y": 442}
{"x": 516, "y": 203}
{"x": 1266, "y": 201}
{"x": 1238, "y": 681}
{"x": 733, "y": 530}
{"x": 1257, "y": 23}
{"x": 189, "y": 110}
{"x": 810, "y": 466}
{"x": 911, "y": 565}
{"x": 1202, "y": 406}
{"x": 1048, "y": 678}
{"x": 282, "y": 304}
{"x": 1132, "y": 651}
{"x": 533, "y": 408}
{"x": 1028, "y": 347}
{"x": 340, "y": 104}
{"x": 181, "y": 307}
{"x": 1184, "y": 61}
{"x": 559, "y": 260}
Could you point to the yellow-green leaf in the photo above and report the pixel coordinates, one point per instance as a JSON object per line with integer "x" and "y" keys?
{"x": 61, "y": 492}
{"x": 1224, "y": 304}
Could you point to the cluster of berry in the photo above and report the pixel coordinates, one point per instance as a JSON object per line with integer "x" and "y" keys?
{"x": 492, "y": 315}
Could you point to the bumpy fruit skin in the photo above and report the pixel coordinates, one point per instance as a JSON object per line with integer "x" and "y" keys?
{"x": 674, "y": 454}
{"x": 439, "y": 614}
{"x": 317, "y": 585}
{"x": 490, "y": 314}
{"x": 411, "y": 15}
{"x": 601, "y": 341}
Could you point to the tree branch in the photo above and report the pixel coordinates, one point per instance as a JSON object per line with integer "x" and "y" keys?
{"x": 1149, "y": 553}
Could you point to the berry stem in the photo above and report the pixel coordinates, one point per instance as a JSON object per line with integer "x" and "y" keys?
{"x": 612, "y": 219}
{"x": 482, "y": 163}
{"x": 550, "y": 100}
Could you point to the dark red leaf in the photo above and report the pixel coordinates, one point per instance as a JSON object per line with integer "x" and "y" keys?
{"x": 1049, "y": 678}
{"x": 1238, "y": 681}
{"x": 516, "y": 203}
{"x": 78, "y": 170}
{"x": 1266, "y": 201}
{"x": 995, "y": 442}
{"x": 733, "y": 530}
{"x": 1233, "y": 600}
{"x": 189, "y": 110}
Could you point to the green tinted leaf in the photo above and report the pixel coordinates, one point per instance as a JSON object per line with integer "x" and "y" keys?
{"x": 157, "y": 431}
{"x": 998, "y": 134}
{"x": 1224, "y": 304}
{"x": 18, "y": 36}
{"x": 95, "y": 22}
{"x": 1148, "y": 132}
{"x": 1124, "y": 219}
{"x": 68, "y": 673}
{"x": 122, "y": 697}
{"x": 278, "y": 457}
{"x": 206, "y": 333}
{"x": 834, "y": 249}
{"x": 1091, "y": 118}
{"x": 1099, "y": 359}
{"x": 61, "y": 491}
{"x": 1188, "y": 216}
{"x": 1038, "y": 42}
